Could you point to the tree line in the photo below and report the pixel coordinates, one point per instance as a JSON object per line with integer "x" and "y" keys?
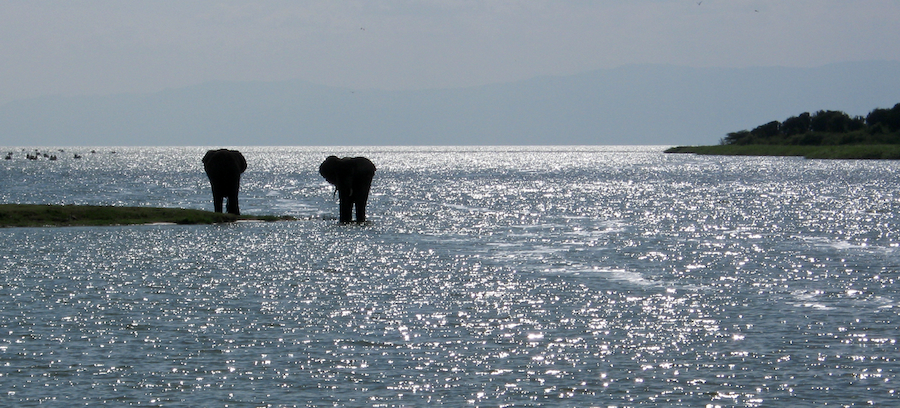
{"x": 880, "y": 126}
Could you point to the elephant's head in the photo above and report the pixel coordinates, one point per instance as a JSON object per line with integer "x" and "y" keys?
{"x": 330, "y": 168}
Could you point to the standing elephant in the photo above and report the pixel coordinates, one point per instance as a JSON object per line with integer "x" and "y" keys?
{"x": 224, "y": 168}
{"x": 352, "y": 177}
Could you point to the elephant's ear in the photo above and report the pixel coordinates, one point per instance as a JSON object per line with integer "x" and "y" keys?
{"x": 241, "y": 161}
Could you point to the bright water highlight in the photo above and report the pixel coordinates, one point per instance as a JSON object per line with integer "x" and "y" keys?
{"x": 557, "y": 276}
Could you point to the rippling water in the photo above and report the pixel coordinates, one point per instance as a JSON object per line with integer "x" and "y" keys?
{"x": 592, "y": 276}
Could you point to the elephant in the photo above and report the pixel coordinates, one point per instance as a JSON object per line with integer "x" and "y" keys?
{"x": 224, "y": 168}
{"x": 352, "y": 177}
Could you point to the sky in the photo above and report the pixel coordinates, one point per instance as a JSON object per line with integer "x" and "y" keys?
{"x": 103, "y": 47}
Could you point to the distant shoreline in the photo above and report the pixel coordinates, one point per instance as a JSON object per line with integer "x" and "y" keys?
{"x": 38, "y": 215}
{"x": 834, "y": 152}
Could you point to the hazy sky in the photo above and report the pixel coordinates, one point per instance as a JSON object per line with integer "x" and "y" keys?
{"x": 77, "y": 47}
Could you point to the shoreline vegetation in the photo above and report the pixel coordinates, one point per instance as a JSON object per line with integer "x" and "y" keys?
{"x": 864, "y": 152}
{"x": 822, "y": 135}
{"x": 40, "y": 215}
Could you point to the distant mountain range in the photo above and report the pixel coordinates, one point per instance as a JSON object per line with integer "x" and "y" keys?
{"x": 638, "y": 104}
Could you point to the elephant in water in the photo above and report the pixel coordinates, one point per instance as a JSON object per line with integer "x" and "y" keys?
{"x": 352, "y": 177}
{"x": 224, "y": 168}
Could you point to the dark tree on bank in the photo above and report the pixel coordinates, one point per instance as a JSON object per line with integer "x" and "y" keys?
{"x": 884, "y": 119}
{"x": 796, "y": 125}
{"x": 825, "y": 127}
{"x": 835, "y": 122}
{"x": 768, "y": 130}
{"x": 740, "y": 137}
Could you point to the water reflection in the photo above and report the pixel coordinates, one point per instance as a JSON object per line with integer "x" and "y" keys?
{"x": 559, "y": 276}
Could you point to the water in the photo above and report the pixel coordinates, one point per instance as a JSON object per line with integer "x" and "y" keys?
{"x": 564, "y": 276}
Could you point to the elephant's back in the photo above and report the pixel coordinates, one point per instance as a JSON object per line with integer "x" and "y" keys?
{"x": 224, "y": 161}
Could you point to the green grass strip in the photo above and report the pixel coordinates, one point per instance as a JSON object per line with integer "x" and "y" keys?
{"x": 36, "y": 215}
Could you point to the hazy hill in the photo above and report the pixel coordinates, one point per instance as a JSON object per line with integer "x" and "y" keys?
{"x": 643, "y": 104}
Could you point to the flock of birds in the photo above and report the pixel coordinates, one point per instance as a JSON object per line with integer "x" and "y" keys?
{"x": 37, "y": 154}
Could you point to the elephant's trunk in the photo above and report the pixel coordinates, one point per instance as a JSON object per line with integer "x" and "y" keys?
{"x": 336, "y": 191}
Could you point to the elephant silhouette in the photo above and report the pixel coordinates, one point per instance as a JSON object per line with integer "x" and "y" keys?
{"x": 352, "y": 177}
{"x": 224, "y": 168}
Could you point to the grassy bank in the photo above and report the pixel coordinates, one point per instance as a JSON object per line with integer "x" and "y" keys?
{"x": 871, "y": 152}
{"x": 32, "y": 215}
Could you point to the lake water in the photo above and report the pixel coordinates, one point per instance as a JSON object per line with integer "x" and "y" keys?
{"x": 554, "y": 276}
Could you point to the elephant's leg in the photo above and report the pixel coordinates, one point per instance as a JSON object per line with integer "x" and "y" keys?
{"x": 360, "y": 202}
{"x": 360, "y": 198}
{"x": 346, "y": 206}
{"x": 217, "y": 202}
{"x": 233, "y": 204}
{"x": 360, "y": 211}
